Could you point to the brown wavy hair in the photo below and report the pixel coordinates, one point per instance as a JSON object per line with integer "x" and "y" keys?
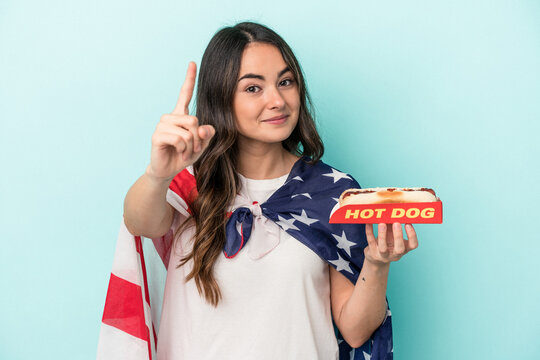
{"x": 216, "y": 169}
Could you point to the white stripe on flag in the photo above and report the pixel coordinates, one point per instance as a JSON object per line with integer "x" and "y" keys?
{"x": 118, "y": 345}
{"x": 126, "y": 261}
{"x": 177, "y": 202}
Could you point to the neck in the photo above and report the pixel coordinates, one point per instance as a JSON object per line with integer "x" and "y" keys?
{"x": 264, "y": 161}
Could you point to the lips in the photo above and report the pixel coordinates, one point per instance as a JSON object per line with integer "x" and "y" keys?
{"x": 276, "y": 119}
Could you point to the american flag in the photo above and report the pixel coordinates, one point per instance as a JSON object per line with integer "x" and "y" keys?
{"x": 301, "y": 207}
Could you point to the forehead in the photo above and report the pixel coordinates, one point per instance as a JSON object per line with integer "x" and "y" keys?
{"x": 261, "y": 58}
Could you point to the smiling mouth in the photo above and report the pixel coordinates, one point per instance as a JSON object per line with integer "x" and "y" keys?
{"x": 277, "y": 119}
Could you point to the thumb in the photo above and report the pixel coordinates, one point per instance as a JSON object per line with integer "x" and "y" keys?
{"x": 206, "y": 132}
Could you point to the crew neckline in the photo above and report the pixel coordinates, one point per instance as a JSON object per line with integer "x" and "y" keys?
{"x": 263, "y": 184}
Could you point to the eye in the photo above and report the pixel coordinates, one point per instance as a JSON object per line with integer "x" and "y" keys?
{"x": 252, "y": 89}
{"x": 286, "y": 82}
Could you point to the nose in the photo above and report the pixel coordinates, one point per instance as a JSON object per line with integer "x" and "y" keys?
{"x": 275, "y": 99}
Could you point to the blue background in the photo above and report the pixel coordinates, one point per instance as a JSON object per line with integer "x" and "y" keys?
{"x": 442, "y": 94}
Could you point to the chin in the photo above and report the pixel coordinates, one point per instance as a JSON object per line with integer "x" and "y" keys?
{"x": 276, "y": 136}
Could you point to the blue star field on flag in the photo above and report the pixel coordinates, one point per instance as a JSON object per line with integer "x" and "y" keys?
{"x": 302, "y": 207}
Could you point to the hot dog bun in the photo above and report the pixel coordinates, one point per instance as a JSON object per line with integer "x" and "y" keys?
{"x": 388, "y": 195}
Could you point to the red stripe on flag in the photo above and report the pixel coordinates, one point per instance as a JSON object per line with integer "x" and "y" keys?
{"x": 138, "y": 245}
{"x": 124, "y": 308}
{"x": 155, "y": 335}
{"x": 241, "y": 244}
{"x": 163, "y": 247}
{"x": 185, "y": 185}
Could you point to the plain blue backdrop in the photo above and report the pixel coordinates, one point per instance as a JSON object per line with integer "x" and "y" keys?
{"x": 444, "y": 94}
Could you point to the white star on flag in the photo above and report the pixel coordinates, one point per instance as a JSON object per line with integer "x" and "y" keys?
{"x": 366, "y": 356}
{"x": 286, "y": 224}
{"x": 335, "y": 199}
{"x": 341, "y": 264}
{"x": 297, "y": 178}
{"x": 303, "y": 194}
{"x": 304, "y": 218}
{"x": 337, "y": 175}
{"x": 343, "y": 242}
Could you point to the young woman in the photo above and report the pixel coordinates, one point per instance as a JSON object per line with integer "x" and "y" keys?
{"x": 272, "y": 297}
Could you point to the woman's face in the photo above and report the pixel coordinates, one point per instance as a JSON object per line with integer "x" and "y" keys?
{"x": 266, "y": 102}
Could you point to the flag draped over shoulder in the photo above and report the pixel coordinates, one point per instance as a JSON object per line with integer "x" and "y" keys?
{"x": 301, "y": 207}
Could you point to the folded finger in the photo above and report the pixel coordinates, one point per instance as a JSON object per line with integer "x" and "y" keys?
{"x": 192, "y": 125}
{"x": 372, "y": 242}
{"x": 381, "y": 239}
{"x": 183, "y": 135}
{"x": 399, "y": 242}
{"x": 411, "y": 235}
{"x": 189, "y": 123}
{"x": 170, "y": 139}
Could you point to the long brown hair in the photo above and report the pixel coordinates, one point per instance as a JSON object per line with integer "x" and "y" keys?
{"x": 216, "y": 169}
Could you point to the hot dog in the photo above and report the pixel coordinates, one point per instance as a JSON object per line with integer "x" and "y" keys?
{"x": 390, "y": 195}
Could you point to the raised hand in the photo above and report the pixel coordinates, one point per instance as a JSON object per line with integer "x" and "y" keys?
{"x": 178, "y": 140}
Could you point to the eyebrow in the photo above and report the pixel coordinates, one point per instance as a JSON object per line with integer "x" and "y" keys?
{"x": 256, "y": 76}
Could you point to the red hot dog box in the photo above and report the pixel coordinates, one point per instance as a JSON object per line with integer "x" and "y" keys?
{"x": 387, "y": 205}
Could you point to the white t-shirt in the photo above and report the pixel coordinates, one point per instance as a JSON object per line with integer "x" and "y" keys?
{"x": 275, "y": 298}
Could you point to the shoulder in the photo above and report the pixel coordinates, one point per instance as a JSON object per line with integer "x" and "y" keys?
{"x": 336, "y": 175}
{"x": 319, "y": 179}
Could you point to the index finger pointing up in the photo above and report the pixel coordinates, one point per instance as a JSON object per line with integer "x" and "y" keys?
{"x": 186, "y": 92}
